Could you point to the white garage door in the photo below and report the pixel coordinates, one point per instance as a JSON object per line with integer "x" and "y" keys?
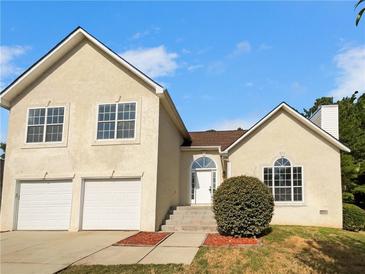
{"x": 44, "y": 205}
{"x": 112, "y": 204}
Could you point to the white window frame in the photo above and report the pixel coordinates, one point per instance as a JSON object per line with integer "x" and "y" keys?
{"x": 116, "y": 122}
{"x": 45, "y": 125}
{"x": 292, "y": 202}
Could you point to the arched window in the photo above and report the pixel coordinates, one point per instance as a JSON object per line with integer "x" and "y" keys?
{"x": 284, "y": 181}
{"x": 203, "y": 162}
{"x": 282, "y": 162}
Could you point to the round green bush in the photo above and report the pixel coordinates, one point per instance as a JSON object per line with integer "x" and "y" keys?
{"x": 243, "y": 206}
{"x": 353, "y": 217}
{"x": 348, "y": 198}
{"x": 359, "y": 195}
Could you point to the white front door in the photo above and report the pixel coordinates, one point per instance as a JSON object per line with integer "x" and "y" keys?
{"x": 203, "y": 187}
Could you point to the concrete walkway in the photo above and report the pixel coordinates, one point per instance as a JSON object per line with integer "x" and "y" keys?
{"x": 178, "y": 248}
{"x": 50, "y": 251}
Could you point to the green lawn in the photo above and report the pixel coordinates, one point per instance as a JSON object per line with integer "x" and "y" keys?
{"x": 287, "y": 249}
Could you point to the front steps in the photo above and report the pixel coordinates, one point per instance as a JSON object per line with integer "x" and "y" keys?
{"x": 191, "y": 218}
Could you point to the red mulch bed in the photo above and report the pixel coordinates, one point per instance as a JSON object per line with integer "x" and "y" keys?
{"x": 220, "y": 240}
{"x": 144, "y": 239}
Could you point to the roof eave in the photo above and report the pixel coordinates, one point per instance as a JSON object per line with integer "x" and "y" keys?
{"x": 190, "y": 148}
{"x": 4, "y": 103}
{"x": 293, "y": 112}
{"x": 52, "y": 56}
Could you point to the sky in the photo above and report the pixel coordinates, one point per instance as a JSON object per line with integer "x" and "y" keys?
{"x": 225, "y": 64}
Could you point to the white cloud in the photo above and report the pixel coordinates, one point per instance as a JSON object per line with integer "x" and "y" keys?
{"x": 155, "y": 62}
{"x": 141, "y": 34}
{"x": 233, "y": 124}
{"x": 242, "y": 48}
{"x": 7, "y": 56}
{"x": 216, "y": 67}
{"x": 194, "y": 67}
{"x": 248, "y": 84}
{"x": 185, "y": 51}
{"x": 297, "y": 87}
{"x": 264, "y": 46}
{"x": 351, "y": 77}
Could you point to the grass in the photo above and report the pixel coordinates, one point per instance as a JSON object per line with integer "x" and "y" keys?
{"x": 287, "y": 249}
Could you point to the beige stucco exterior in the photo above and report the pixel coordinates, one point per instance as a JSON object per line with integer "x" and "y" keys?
{"x": 283, "y": 135}
{"x": 83, "y": 79}
{"x": 86, "y": 77}
{"x": 168, "y": 167}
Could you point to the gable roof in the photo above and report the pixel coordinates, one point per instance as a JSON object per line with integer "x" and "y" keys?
{"x": 213, "y": 138}
{"x": 64, "y": 46}
{"x": 51, "y": 57}
{"x": 299, "y": 117}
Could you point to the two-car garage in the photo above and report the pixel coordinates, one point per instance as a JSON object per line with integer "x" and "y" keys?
{"x": 108, "y": 204}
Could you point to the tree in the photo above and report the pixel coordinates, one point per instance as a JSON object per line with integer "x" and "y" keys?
{"x": 360, "y": 13}
{"x": 352, "y": 134}
{"x": 3, "y": 148}
{"x": 320, "y": 101}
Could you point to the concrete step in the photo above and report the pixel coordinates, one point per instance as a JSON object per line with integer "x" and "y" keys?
{"x": 196, "y": 228}
{"x": 190, "y": 222}
{"x": 192, "y": 217}
{"x": 193, "y": 212}
{"x": 193, "y": 208}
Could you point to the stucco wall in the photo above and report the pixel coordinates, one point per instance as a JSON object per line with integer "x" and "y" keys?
{"x": 282, "y": 135}
{"x": 80, "y": 81}
{"x": 187, "y": 158}
{"x": 169, "y": 142}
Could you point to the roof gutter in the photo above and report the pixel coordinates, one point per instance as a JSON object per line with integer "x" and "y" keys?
{"x": 196, "y": 148}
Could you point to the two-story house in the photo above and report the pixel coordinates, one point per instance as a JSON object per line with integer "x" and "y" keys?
{"x": 94, "y": 143}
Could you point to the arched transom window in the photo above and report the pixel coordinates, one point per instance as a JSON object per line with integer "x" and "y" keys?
{"x": 203, "y": 162}
{"x": 285, "y": 181}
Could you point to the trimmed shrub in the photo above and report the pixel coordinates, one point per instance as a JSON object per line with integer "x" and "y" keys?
{"x": 353, "y": 217}
{"x": 359, "y": 195}
{"x": 348, "y": 197}
{"x": 243, "y": 206}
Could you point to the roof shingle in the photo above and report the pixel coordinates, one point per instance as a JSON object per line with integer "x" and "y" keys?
{"x": 222, "y": 138}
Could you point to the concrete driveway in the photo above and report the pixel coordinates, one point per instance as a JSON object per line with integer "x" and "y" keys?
{"x": 47, "y": 251}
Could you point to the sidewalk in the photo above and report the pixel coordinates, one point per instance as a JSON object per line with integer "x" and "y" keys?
{"x": 178, "y": 248}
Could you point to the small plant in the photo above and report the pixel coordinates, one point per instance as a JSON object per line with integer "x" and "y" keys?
{"x": 353, "y": 217}
{"x": 348, "y": 198}
{"x": 243, "y": 206}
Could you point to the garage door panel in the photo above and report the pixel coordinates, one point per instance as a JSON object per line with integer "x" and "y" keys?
{"x": 44, "y": 206}
{"x": 111, "y": 204}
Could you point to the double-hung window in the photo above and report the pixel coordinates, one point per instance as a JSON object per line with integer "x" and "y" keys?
{"x": 45, "y": 124}
{"x": 116, "y": 121}
{"x": 284, "y": 181}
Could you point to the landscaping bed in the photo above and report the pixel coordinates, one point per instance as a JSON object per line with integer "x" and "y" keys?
{"x": 287, "y": 249}
{"x": 144, "y": 239}
{"x": 214, "y": 239}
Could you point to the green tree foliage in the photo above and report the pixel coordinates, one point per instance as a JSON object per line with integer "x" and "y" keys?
{"x": 3, "y": 148}
{"x": 360, "y": 13}
{"x": 352, "y": 134}
{"x": 319, "y": 101}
